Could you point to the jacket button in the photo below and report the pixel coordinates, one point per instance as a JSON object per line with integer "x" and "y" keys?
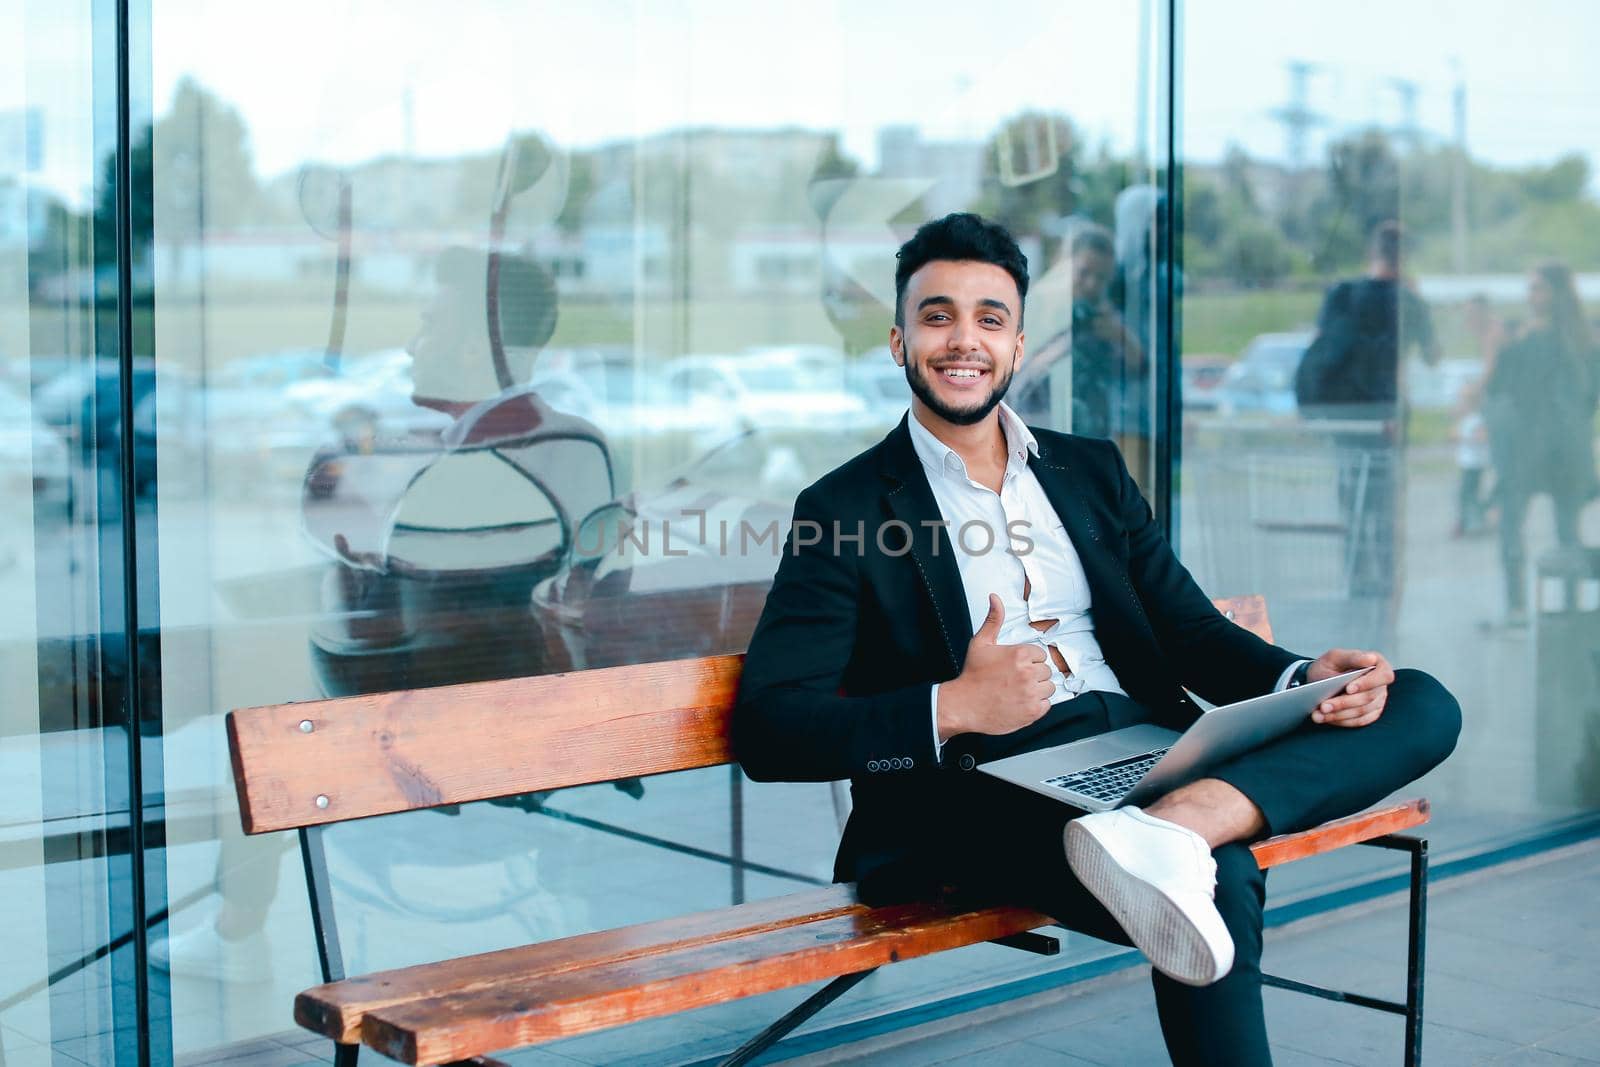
{"x": 967, "y": 762}
{"x": 872, "y": 765}
{"x": 907, "y": 763}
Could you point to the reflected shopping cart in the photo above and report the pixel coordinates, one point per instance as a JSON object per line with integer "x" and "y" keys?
{"x": 1307, "y": 513}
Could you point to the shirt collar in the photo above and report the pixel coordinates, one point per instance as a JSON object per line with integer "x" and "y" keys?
{"x": 939, "y": 457}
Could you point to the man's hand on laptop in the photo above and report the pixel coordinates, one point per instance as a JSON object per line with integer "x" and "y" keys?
{"x": 1001, "y": 688}
{"x": 1363, "y": 699}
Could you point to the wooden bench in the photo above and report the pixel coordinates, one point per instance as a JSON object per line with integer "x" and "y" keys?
{"x": 303, "y": 766}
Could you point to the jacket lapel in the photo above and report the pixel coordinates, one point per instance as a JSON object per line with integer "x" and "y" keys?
{"x": 1111, "y": 595}
{"x": 910, "y": 500}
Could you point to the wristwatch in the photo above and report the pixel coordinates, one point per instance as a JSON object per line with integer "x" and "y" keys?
{"x": 1298, "y": 678}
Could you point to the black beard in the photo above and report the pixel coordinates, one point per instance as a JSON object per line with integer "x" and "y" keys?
{"x": 924, "y": 392}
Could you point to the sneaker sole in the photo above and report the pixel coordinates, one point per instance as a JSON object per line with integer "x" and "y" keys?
{"x": 1155, "y": 923}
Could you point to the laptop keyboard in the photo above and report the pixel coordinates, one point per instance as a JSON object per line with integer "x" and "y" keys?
{"x": 1109, "y": 782}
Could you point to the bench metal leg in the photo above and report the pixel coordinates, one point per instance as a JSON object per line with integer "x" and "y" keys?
{"x": 345, "y": 1055}
{"x": 736, "y": 832}
{"x": 778, "y": 1030}
{"x": 1416, "y": 950}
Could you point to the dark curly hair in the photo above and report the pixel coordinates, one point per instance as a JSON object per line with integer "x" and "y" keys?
{"x": 958, "y": 236}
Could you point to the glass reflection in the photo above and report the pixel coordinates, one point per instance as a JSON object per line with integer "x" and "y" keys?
{"x": 1539, "y": 397}
{"x": 505, "y": 369}
{"x": 67, "y": 977}
{"x": 1363, "y": 254}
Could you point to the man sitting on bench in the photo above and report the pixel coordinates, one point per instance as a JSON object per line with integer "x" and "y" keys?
{"x": 904, "y": 642}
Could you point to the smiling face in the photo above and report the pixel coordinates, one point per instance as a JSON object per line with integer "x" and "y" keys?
{"x": 962, "y": 338}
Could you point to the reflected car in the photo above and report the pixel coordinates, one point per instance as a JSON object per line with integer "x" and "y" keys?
{"x": 33, "y": 457}
{"x": 1262, "y": 380}
{"x": 25, "y": 374}
{"x": 876, "y": 378}
{"x": 248, "y": 407}
{"x": 1202, "y": 379}
{"x": 765, "y": 391}
{"x": 371, "y": 396}
{"x": 255, "y": 384}
{"x": 83, "y": 405}
{"x": 625, "y": 395}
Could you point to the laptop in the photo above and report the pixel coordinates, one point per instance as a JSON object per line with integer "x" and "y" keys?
{"x": 1138, "y": 764}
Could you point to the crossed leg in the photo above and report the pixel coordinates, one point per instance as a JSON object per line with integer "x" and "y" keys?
{"x": 1010, "y": 850}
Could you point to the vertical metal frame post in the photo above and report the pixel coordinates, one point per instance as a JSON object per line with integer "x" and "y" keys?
{"x": 319, "y": 891}
{"x": 1167, "y": 413}
{"x": 132, "y": 709}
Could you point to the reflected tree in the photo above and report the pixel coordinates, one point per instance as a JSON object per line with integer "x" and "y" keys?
{"x": 192, "y": 172}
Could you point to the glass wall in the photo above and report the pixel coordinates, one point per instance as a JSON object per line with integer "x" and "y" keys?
{"x": 68, "y": 834}
{"x": 472, "y": 274}
{"x": 1391, "y": 262}
{"x": 407, "y": 298}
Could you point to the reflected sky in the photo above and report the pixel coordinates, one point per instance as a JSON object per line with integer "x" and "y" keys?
{"x": 450, "y": 79}
{"x": 1527, "y": 68}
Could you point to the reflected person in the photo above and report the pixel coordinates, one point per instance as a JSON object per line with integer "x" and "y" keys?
{"x": 1539, "y": 403}
{"x": 1105, "y": 354}
{"x": 1470, "y": 432}
{"x": 437, "y": 536}
{"x": 1352, "y": 371}
{"x": 896, "y": 651}
{"x": 1148, "y": 287}
{"x": 438, "y": 549}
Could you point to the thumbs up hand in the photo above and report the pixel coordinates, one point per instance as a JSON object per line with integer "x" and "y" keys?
{"x": 1001, "y": 688}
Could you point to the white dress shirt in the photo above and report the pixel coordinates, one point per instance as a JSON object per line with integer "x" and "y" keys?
{"x": 991, "y": 534}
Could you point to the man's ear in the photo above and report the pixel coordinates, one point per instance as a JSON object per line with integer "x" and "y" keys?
{"x": 897, "y": 346}
{"x": 1017, "y": 354}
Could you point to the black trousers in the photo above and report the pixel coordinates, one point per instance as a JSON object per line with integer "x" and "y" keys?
{"x": 1006, "y": 844}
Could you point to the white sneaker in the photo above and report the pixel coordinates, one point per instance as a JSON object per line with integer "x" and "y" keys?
{"x": 1158, "y": 880}
{"x": 198, "y": 951}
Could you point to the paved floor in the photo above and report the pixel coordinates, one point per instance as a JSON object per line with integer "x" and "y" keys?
{"x": 1513, "y": 977}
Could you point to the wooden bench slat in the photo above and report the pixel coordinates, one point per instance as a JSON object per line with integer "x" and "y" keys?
{"x": 338, "y": 1010}
{"x": 515, "y": 1014}
{"x": 1341, "y": 832}
{"x": 335, "y": 1010}
{"x": 388, "y": 752}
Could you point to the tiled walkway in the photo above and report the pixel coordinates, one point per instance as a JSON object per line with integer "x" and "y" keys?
{"x": 1513, "y": 977}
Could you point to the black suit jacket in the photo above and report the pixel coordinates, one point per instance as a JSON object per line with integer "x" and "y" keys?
{"x": 857, "y": 631}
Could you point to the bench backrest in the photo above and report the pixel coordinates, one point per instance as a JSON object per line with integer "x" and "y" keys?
{"x": 326, "y": 761}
